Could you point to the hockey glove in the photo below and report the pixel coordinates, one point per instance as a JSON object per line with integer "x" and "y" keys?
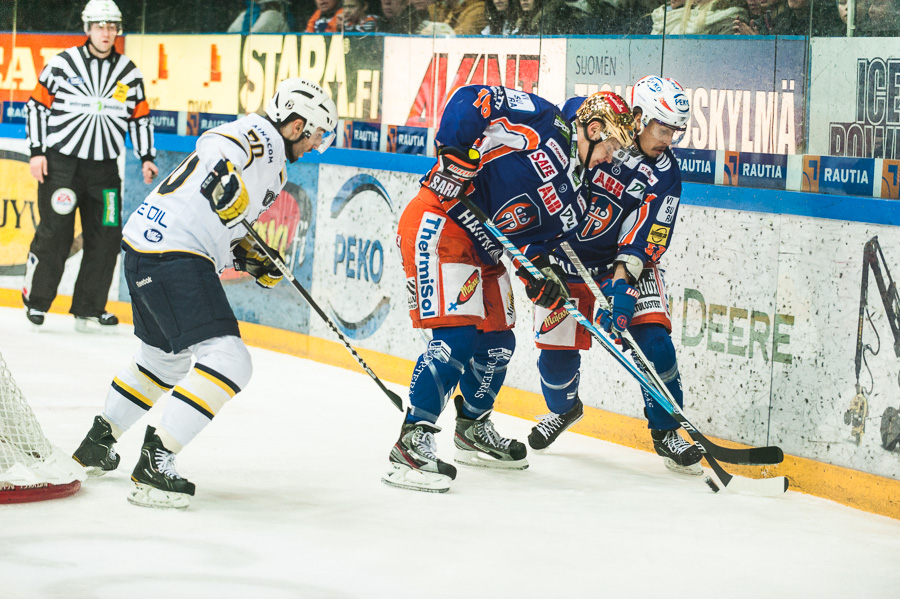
{"x": 455, "y": 170}
{"x": 549, "y": 292}
{"x": 623, "y": 297}
{"x": 250, "y": 259}
{"x": 226, "y": 193}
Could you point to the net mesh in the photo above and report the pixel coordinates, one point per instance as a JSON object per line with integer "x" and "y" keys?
{"x": 22, "y": 441}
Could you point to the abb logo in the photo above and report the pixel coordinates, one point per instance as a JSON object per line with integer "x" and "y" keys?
{"x": 516, "y": 71}
{"x": 550, "y": 199}
{"x": 541, "y": 162}
{"x": 609, "y": 183}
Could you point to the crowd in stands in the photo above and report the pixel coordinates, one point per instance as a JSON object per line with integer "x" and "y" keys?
{"x": 476, "y": 17}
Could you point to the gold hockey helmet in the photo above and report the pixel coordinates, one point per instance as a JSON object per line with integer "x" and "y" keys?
{"x": 613, "y": 113}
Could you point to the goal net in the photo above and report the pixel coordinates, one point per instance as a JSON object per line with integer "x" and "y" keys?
{"x": 31, "y": 469}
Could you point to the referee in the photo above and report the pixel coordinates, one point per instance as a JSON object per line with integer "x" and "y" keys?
{"x": 85, "y": 99}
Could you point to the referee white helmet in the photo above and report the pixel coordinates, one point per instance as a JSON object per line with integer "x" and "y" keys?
{"x": 661, "y": 100}
{"x": 305, "y": 99}
{"x": 101, "y": 11}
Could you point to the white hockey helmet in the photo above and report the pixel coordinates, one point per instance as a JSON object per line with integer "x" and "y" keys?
{"x": 308, "y": 101}
{"x": 661, "y": 100}
{"x": 101, "y": 11}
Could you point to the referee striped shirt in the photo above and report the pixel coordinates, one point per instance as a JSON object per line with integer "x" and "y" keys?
{"x": 82, "y": 106}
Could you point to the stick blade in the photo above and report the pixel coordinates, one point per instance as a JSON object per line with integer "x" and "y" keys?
{"x": 395, "y": 399}
{"x": 759, "y": 487}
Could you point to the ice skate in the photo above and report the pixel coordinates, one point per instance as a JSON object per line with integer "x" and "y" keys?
{"x": 35, "y": 317}
{"x": 478, "y": 444}
{"x": 104, "y": 323}
{"x": 414, "y": 464}
{"x": 156, "y": 482}
{"x": 679, "y": 455}
{"x": 96, "y": 452}
{"x": 550, "y": 426}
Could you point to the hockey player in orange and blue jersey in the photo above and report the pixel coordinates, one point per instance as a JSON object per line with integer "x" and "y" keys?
{"x": 516, "y": 157}
{"x": 628, "y": 227}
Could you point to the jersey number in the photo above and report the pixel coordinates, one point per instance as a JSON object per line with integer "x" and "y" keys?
{"x": 172, "y": 182}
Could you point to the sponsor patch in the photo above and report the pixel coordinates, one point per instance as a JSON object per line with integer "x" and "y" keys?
{"x": 411, "y": 303}
{"x": 143, "y": 282}
{"x": 540, "y": 160}
{"x": 75, "y": 80}
{"x": 111, "y": 208}
{"x": 609, "y": 183}
{"x": 519, "y": 101}
{"x": 659, "y": 235}
{"x": 469, "y": 287}
{"x": 667, "y": 210}
{"x": 549, "y": 198}
{"x": 121, "y": 93}
{"x": 427, "y": 239}
{"x": 63, "y": 201}
{"x": 463, "y": 291}
{"x": 269, "y": 199}
{"x": 444, "y": 186}
{"x": 636, "y": 189}
{"x": 153, "y": 235}
{"x": 554, "y": 328}
{"x": 645, "y": 168}
{"x": 557, "y": 150}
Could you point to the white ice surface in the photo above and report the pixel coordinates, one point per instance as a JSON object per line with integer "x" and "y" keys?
{"x": 289, "y": 504}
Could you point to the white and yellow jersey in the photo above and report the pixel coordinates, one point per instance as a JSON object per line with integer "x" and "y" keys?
{"x": 176, "y": 217}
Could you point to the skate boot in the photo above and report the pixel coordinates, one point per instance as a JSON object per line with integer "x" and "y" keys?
{"x": 156, "y": 483}
{"x": 679, "y": 455}
{"x": 478, "y": 444}
{"x": 550, "y": 426}
{"x": 96, "y": 452}
{"x": 104, "y": 323}
{"x": 35, "y": 317}
{"x": 414, "y": 464}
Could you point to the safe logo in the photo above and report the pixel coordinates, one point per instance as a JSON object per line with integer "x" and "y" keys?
{"x": 542, "y": 164}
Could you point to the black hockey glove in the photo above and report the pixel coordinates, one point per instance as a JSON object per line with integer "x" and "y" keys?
{"x": 250, "y": 259}
{"x": 454, "y": 172}
{"x": 549, "y": 292}
{"x": 227, "y": 196}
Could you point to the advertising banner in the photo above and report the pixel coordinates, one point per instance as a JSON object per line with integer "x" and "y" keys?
{"x": 407, "y": 140}
{"x": 758, "y": 107}
{"x": 841, "y": 176}
{"x": 20, "y": 65}
{"x": 854, "y": 100}
{"x": 420, "y": 73}
{"x": 349, "y": 68}
{"x": 756, "y": 170}
{"x": 361, "y": 136}
{"x": 697, "y": 166}
{"x": 192, "y": 73}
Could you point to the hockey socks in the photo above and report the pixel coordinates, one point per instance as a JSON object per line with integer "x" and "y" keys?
{"x": 438, "y": 371}
{"x": 131, "y": 394}
{"x": 486, "y": 371}
{"x": 559, "y": 378}
{"x": 657, "y": 345}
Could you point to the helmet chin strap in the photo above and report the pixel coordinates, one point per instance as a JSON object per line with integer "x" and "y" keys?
{"x": 592, "y": 144}
{"x": 288, "y": 144}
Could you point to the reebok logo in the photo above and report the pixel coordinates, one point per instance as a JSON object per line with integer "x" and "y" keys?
{"x": 143, "y": 282}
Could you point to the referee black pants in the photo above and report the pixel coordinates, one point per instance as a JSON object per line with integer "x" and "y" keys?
{"x": 98, "y": 199}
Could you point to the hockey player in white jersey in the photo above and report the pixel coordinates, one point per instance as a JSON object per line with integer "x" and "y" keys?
{"x": 176, "y": 244}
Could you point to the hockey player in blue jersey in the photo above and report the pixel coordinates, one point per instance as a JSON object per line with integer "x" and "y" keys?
{"x": 628, "y": 227}
{"x": 516, "y": 157}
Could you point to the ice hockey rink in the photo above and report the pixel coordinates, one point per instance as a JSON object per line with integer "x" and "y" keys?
{"x": 289, "y": 504}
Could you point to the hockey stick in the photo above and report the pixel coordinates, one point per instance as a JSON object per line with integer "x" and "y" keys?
{"x": 758, "y": 456}
{"x": 724, "y": 480}
{"x": 395, "y": 399}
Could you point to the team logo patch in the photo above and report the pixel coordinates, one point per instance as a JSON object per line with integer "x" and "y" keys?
{"x": 598, "y": 219}
{"x": 75, "y": 80}
{"x": 121, "y": 93}
{"x": 549, "y": 198}
{"x": 269, "y": 199}
{"x": 553, "y": 320}
{"x": 468, "y": 288}
{"x": 153, "y": 235}
{"x": 438, "y": 350}
{"x": 659, "y": 235}
{"x": 63, "y": 201}
{"x": 609, "y": 183}
{"x": 517, "y": 215}
{"x": 667, "y": 210}
{"x": 540, "y": 160}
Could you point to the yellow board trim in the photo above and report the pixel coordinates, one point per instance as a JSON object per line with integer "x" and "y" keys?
{"x": 217, "y": 382}
{"x": 861, "y": 490}
{"x": 131, "y": 390}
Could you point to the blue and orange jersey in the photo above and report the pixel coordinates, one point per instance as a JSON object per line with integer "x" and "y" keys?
{"x": 633, "y": 210}
{"x": 528, "y": 182}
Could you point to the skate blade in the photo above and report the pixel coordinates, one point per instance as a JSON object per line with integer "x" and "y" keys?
{"x": 94, "y": 328}
{"x": 692, "y": 470}
{"x": 482, "y": 460}
{"x": 147, "y": 496}
{"x": 405, "y": 477}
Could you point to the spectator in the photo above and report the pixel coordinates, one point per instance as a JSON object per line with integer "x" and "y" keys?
{"x": 699, "y": 17}
{"x": 610, "y": 17}
{"x": 884, "y": 19}
{"x": 325, "y": 19}
{"x": 501, "y": 17}
{"x": 265, "y": 16}
{"x": 399, "y": 16}
{"x": 544, "y": 17}
{"x": 465, "y": 17}
{"x": 427, "y": 12}
{"x": 770, "y": 12}
{"x": 356, "y": 17}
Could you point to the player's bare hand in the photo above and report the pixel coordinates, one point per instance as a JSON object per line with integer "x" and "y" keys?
{"x": 149, "y": 170}
{"x": 38, "y": 167}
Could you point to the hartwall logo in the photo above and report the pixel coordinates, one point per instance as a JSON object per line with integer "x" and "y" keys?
{"x": 359, "y": 260}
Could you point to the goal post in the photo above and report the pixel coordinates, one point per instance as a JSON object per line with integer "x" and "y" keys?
{"x": 31, "y": 468}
